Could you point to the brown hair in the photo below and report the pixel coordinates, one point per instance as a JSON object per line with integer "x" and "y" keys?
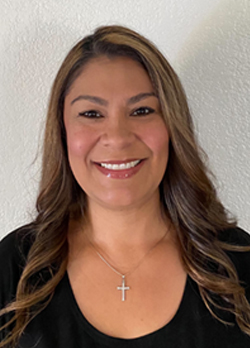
{"x": 187, "y": 195}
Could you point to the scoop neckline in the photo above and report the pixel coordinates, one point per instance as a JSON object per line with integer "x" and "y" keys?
{"x": 108, "y": 340}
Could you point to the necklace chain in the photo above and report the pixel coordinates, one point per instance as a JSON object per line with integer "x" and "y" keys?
{"x": 105, "y": 261}
{"x": 138, "y": 264}
{"x": 123, "y": 287}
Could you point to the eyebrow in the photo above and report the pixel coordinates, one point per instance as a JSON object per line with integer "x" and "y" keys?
{"x": 103, "y": 102}
{"x": 140, "y": 96}
{"x": 91, "y": 98}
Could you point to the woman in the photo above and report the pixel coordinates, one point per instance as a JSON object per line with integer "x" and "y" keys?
{"x": 131, "y": 246}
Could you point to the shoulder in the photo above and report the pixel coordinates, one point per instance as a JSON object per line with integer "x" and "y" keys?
{"x": 15, "y": 246}
{"x": 14, "y": 249}
{"x": 235, "y": 236}
{"x": 241, "y": 259}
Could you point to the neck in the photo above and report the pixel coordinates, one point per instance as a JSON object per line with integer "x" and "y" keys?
{"x": 122, "y": 237}
{"x": 126, "y": 229}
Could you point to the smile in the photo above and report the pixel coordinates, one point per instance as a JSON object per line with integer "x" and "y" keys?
{"x": 120, "y": 166}
{"x": 119, "y": 169}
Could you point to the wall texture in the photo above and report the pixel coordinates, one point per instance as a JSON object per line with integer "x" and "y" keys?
{"x": 208, "y": 43}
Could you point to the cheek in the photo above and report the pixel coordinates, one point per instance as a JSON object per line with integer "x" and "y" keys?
{"x": 79, "y": 142}
{"x": 157, "y": 139}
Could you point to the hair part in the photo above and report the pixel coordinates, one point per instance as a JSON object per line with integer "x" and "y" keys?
{"x": 188, "y": 197}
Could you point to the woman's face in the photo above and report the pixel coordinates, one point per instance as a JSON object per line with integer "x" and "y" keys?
{"x": 117, "y": 140}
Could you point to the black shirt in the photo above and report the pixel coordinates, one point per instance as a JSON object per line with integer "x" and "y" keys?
{"x": 62, "y": 325}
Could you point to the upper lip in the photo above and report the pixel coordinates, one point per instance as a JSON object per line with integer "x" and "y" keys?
{"x": 120, "y": 161}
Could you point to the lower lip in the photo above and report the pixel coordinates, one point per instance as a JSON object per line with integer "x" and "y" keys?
{"x": 120, "y": 174}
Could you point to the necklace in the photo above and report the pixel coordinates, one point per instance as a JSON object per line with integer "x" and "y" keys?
{"x": 123, "y": 288}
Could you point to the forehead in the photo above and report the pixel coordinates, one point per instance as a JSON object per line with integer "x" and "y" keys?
{"x": 104, "y": 75}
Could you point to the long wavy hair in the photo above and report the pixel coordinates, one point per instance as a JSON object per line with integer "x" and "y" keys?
{"x": 188, "y": 197}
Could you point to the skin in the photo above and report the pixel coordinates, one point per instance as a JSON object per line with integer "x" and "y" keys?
{"x": 116, "y": 132}
{"x": 123, "y": 121}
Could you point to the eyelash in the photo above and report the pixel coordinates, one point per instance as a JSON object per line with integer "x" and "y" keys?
{"x": 142, "y": 111}
{"x": 87, "y": 114}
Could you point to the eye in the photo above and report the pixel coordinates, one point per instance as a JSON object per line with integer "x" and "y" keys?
{"x": 142, "y": 111}
{"x": 90, "y": 114}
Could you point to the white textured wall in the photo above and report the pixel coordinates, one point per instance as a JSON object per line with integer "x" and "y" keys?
{"x": 208, "y": 43}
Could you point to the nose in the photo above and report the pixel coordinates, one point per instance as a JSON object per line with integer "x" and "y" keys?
{"x": 117, "y": 133}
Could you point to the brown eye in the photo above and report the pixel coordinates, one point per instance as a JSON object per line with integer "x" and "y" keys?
{"x": 90, "y": 114}
{"x": 142, "y": 111}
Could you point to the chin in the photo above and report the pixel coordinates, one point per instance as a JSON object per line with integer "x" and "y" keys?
{"x": 119, "y": 204}
{"x": 125, "y": 200}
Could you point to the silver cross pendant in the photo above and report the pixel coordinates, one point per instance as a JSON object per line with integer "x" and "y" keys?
{"x": 123, "y": 288}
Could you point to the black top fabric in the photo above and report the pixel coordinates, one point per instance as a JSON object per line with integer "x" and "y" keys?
{"x": 62, "y": 325}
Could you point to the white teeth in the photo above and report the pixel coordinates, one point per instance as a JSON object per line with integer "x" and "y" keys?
{"x": 120, "y": 166}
